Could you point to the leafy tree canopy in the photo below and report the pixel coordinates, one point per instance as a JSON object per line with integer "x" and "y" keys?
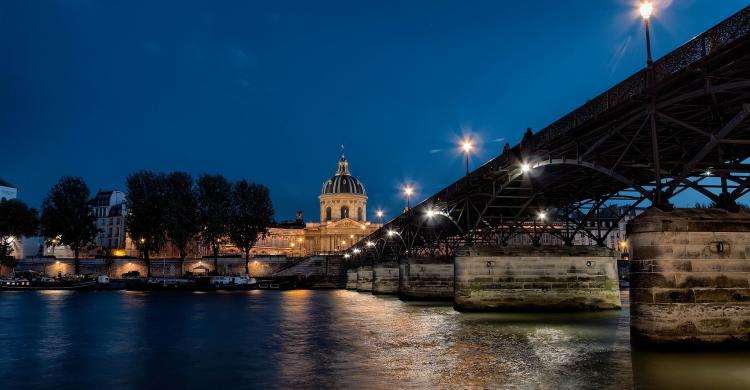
{"x": 16, "y": 220}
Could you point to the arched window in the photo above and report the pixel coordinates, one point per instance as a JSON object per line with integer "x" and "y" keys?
{"x": 344, "y": 212}
{"x": 359, "y": 214}
{"x": 328, "y": 213}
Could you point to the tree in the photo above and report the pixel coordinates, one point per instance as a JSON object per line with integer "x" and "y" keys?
{"x": 147, "y": 205}
{"x": 16, "y": 220}
{"x": 67, "y": 218}
{"x": 183, "y": 220}
{"x": 250, "y": 216}
{"x": 214, "y": 200}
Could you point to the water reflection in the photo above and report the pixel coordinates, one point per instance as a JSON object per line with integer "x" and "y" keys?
{"x": 327, "y": 339}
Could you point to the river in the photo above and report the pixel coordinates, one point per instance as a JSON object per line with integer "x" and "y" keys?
{"x": 326, "y": 339}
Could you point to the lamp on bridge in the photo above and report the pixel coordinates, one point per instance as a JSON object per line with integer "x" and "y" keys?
{"x": 647, "y": 8}
{"x": 467, "y": 146}
{"x": 408, "y": 192}
{"x": 379, "y": 213}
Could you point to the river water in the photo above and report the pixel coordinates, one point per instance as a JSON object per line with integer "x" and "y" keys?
{"x": 326, "y": 339}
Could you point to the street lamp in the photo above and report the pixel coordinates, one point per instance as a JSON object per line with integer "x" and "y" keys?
{"x": 467, "y": 146}
{"x": 379, "y": 213}
{"x": 647, "y": 8}
{"x": 408, "y": 192}
{"x": 542, "y": 215}
{"x": 525, "y": 167}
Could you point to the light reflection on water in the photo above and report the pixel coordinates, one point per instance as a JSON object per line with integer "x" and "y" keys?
{"x": 327, "y": 339}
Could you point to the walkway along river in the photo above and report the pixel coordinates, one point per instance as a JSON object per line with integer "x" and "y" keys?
{"x": 326, "y": 339}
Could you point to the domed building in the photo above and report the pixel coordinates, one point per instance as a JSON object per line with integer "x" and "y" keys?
{"x": 343, "y": 196}
{"x": 343, "y": 221}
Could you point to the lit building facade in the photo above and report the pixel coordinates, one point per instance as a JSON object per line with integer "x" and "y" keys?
{"x": 343, "y": 221}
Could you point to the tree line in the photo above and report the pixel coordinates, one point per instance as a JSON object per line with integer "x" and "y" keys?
{"x": 162, "y": 208}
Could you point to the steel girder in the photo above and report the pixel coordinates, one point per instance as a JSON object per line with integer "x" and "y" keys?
{"x": 679, "y": 125}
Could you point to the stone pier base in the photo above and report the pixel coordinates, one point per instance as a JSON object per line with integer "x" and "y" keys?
{"x": 425, "y": 279}
{"x": 351, "y": 279}
{"x": 689, "y": 277}
{"x": 385, "y": 278}
{"x": 364, "y": 278}
{"x": 536, "y": 279}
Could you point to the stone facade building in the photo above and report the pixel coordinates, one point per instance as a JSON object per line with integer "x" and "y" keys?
{"x": 343, "y": 221}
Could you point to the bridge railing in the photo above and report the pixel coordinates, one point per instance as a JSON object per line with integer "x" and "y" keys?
{"x": 712, "y": 40}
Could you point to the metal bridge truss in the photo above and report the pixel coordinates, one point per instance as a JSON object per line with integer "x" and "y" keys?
{"x": 678, "y": 125}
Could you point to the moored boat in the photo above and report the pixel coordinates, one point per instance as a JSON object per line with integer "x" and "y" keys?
{"x": 47, "y": 284}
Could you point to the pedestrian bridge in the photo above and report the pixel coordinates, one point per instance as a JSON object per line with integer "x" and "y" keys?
{"x": 679, "y": 125}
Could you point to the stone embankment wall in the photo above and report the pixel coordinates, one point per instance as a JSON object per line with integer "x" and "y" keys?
{"x": 116, "y": 267}
{"x": 536, "y": 278}
{"x": 385, "y": 278}
{"x": 364, "y": 278}
{"x": 425, "y": 279}
{"x": 690, "y": 276}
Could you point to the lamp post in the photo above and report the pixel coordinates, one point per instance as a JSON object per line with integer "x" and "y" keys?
{"x": 408, "y": 192}
{"x": 646, "y": 10}
{"x": 467, "y": 147}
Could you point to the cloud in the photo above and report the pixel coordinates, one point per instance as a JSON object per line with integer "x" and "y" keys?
{"x": 240, "y": 58}
{"x": 433, "y": 151}
{"x": 619, "y": 53}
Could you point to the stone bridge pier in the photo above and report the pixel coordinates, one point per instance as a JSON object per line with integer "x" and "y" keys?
{"x": 536, "y": 278}
{"x": 351, "y": 279}
{"x": 364, "y": 278}
{"x": 425, "y": 279}
{"x": 385, "y": 277}
{"x": 689, "y": 277}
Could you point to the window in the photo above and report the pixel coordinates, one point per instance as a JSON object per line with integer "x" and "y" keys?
{"x": 344, "y": 212}
{"x": 328, "y": 213}
{"x": 359, "y": 214}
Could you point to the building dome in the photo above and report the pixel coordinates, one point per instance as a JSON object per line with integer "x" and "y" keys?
{"x": 343, "y": 182}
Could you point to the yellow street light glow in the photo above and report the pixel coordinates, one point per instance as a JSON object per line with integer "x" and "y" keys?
{"x": 430, "y": 213}
{"x": 379, "y": 213}
{"x": 142, "y": 240}
{"x": 525, "y": 167}
{"x": 370, "y": 243}
{"x": 408, "y": 190}
{"x": 356, "y": 250}
{"x": 646, "y": 9}
{"x": 542, "y": 215}
{"x": 351, "y": 236}
{"x": 466, "y": 145}
{"x": 391, "y": 233}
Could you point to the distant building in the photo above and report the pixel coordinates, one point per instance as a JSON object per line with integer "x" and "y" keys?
{"x": 110, "y": 210}
{"x": 343, "y": 222}
{"x": 7, "y": 190}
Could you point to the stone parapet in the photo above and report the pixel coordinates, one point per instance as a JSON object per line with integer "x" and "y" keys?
{"x": 425, "y": 279}
{"x": 385, "y": 278}
{"x": 536, "y": 278}
{"x": 690, "y": 277}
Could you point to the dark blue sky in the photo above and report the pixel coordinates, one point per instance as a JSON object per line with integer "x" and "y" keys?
{"x": 267, "y": 91}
